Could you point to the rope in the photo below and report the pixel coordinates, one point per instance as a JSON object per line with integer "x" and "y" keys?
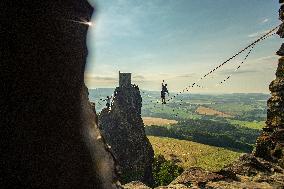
{"x": 266, "y": 35}
{"x": 251, "y": 46}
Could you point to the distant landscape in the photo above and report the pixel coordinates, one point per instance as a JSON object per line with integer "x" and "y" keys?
{"x": 187, "y": 153}
{"x": 209, "y": 131}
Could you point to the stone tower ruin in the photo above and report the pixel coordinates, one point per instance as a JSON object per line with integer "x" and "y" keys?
{"x": 123, "y": 129}
{"x": 124, "y": 80}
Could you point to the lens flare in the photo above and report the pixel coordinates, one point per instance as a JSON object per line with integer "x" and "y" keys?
{"x": 84, "y": 22}
{"x": 89, "y": 23}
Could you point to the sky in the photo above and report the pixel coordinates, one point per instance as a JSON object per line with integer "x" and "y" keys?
{"x": 180, "y": 41}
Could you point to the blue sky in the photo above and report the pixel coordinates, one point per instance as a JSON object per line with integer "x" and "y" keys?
{"x": 181, "y": 40}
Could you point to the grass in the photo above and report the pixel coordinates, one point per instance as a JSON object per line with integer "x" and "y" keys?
{"x": 232, "y": 108}
{"x": 148, "y": 121}
{"x": 209, "y": 111}
{"x": 189, "y": 154}
{"x": 252, "y": 125}
{"x": 170, "y": 112}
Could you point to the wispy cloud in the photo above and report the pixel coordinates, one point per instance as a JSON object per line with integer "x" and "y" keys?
{"x": 231, "y": 72}
{"x": 162, "y": 75}
{"x": 101, "y": 78}
{"x": 186, "y": 75}
{"x": 156, "y": 40}
{"x": 139, "y": 77}
{"x": 254, "y": 34}
{"x": 257, "y": 34}
{"x": 264, "y": 20}
{"x": 266, "y": 58}
{"x": 100, "y": 81}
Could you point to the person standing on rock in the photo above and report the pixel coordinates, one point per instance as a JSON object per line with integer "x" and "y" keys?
{"x": 163, "y": 83}
{"x": 108, "y": 102}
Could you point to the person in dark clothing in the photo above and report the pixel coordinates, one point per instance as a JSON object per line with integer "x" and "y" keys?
{"x": 108, "y": 102}
{"x": 163, "y": 92}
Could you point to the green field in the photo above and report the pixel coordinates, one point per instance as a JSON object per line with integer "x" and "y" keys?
{"x": 237, "y": 133}
{"x": 249, "y": 124}
{"x": 197, "y": 138}
{"x": 188, "y": 154}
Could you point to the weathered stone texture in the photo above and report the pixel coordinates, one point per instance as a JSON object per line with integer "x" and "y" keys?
{"x": 48, "y": 131}
{"x": 123, "y": 129}
{"x": 246, "y": 172}
{"x": 270, "y": 145}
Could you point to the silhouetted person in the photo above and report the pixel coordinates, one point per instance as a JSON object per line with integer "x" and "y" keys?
{"x": 163, "y": 83}
{"x": 108, "y": 102}
{"x": 163, "y": 92}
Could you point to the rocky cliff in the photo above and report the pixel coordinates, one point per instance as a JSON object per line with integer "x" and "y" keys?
{"x": 270, "y": 145}
{"x": 49, "y": 134}
{"x": 247, "y": 172}
{"x": 123, "y": 129}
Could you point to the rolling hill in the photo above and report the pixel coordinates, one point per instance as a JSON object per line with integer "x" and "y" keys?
{"x": 192, "y": 154}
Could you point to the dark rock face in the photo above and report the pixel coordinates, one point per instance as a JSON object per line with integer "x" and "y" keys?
{"x": 196, "y": 176}
{"x": 249, "y": 165}
{"x": 123, "y": 129}
{"x": 270, "y": 145}
{"x": 246, "y": 172}
{"x": 48, "y": 130}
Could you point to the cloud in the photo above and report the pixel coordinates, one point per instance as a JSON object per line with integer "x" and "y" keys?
{"x": 185, "y": 75}
{"x": 232, "y": 72}
{"x": 266, "y": 58}
{"x": 257, "y": 34}
{"x": 101, "y": 78}
{"x": 99, "y": 81}
{"x": 164, "y": 74}
{"x": 139, "y": 77}
{"x": 254, "y": 34}
{"x": 264, "y": 20}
